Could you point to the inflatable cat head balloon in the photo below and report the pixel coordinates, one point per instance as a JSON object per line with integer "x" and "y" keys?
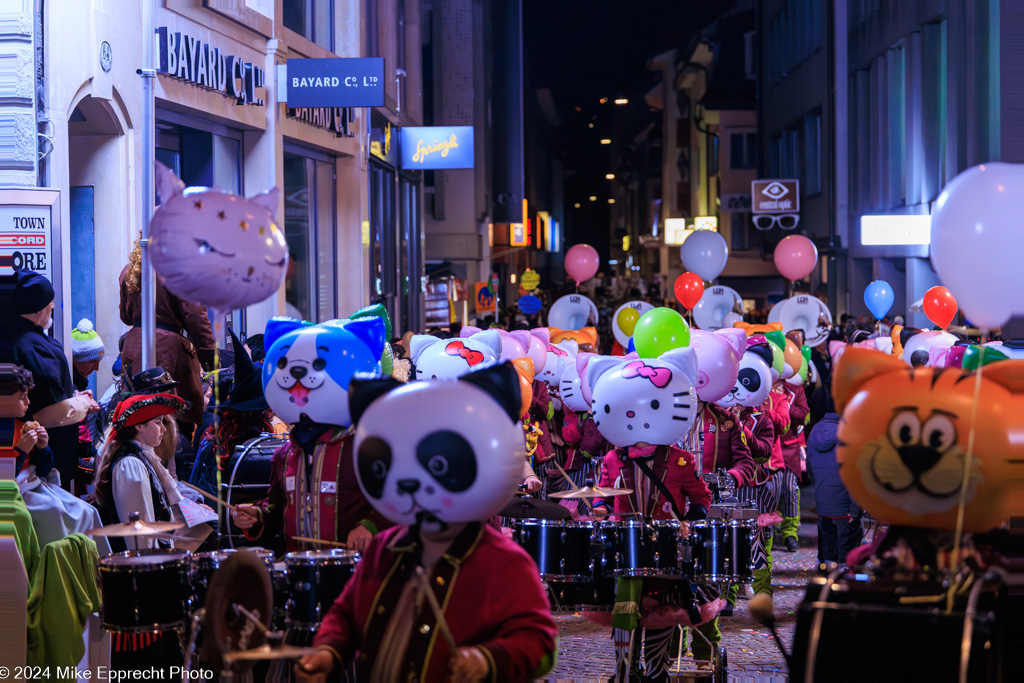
{"x": 308, "y": 367}
{"x": 458, "y": 455}
{"x": 904, "y": 434}
{"x": 650, "y": 400}
{"x": 558, "y": 356}
{"x": 570, "y": 389}
{"x": 217, "y": 248}
{"x": 451, "y": 358}
{"x": 718, "y": 361}
{"x": 754, "y": 379}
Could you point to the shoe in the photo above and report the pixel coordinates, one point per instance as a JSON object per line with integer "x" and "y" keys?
{"x": 792, "y": 544}
{"x": 727, "y": 610}
{"x": 762, "y": 607}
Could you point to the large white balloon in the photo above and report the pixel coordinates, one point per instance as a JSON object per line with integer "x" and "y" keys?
{"x": 572, "y": 312}
{"x": 620, "y": 335}
{"x": 977, "y": 242}
{"x": 705, "y": 252}
{"x": 718, "y": 302}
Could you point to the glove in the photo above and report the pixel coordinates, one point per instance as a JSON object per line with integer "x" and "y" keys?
{"x": 696, "y": 512}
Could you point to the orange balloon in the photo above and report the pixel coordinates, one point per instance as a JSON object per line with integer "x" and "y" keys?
{"x": 524, "y": 368}
{"x": 940, "y": 306}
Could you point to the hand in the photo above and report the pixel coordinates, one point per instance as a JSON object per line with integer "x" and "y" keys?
{"x": 358, "y": 538}
{"x": 245, "y": 517}
{"x": 684, "y": 528}
{"x": 28, "y": 440}
{"x": 87, "y": 392}
{"x": 599, "y": 512}
{"x": 469, "y": 664}
{"x": 532, "y": 484}
{"x": 314, "y": 668}
{"x": 42, "y": 437}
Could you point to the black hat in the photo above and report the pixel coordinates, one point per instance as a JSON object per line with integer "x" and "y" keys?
{"x": 32, "y": 292}
{"x": 247, "y": 391}
{"x": 152, "y": 381}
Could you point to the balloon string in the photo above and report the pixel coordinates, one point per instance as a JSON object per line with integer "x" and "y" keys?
{"x": 962, "y": 504}
{"x": 218, "y": 326}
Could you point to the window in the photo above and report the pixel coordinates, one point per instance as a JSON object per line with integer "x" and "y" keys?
{"x": 743, "y": 150}
{"x": 812, "y": 155}
{"x": 312, "y": 19}
{"x": 796, "y": 32}
{"x": 713, "y": 157}
{"x": 309, "y": 230}
{"x": 372, "y": 28}
{"x": 896, "y": 124}
{"x": 739, "y": 230}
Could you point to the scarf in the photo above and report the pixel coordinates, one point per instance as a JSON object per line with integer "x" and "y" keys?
{"x": 167, "y": 483}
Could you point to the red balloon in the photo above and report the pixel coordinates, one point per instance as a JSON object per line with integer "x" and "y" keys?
{"x": 689, "y": 289}
{"x": 940, "y": 306}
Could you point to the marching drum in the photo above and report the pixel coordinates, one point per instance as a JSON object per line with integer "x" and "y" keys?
{"x": 145, "y": 590}
{"x": 653, "y": 548}
{"x": 206, "y": 563}
{"x": 249, "y": 468}
{"x": 723, "y": 550}
{"x": 597, "y": 595}
{"x": 562, "y": 550}
{"x": 315, "y": 580}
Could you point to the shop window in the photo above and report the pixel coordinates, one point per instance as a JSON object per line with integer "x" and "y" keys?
{"x": 739, "y": 230}
{"x": 743, "y": 150}
{"x": 812, "y": 155}
{"x": 312, "y": 19}
{"x": 310, "y": 286}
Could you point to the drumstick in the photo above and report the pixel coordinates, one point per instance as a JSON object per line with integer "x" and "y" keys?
{"x": 442, "y": 625}
{"x": 209, "y": 496}
{"x": 574, "y": 486}
{"x": 306, "y": 539}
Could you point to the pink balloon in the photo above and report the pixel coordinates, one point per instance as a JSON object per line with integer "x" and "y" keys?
{"x": 535, "y": 348}
{"x": 582, "y": 262}
{"x": 718, "y": 363}
{"x": 796, "y": 257}
{"x": 510, "y": 347}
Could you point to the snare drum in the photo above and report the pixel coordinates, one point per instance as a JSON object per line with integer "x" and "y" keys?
{"x": 206, "y": 563}
{"x": 597, "y": 595}
{"x": 653, "y": 548}
{"x": 145, "y": 590}
{"x": 561, "y": 549}
{"x": 315, "y": 580}
{"x": 723, "y": 550}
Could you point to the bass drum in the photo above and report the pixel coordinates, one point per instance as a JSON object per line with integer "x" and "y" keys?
{"x": 246, "y": 479}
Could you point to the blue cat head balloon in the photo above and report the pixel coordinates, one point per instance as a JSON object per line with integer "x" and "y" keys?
{"x": 308, "y": 367}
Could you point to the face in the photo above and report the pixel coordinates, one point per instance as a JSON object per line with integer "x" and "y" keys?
{"x": 753, "y": 384}
{"x": 87, "y": 368}
{"x": 449, "y": 358}
{"x": 457, "y": 457}
{"x": 917, "y": 349}
{"x": 15, "y": 405}
{"x": 207, "y": 395}
{"x": 570, "y": 390}
{"x": 718, "y": 362}
{"x": 151, "y": 432}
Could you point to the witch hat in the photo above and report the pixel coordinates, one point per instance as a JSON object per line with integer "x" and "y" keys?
{"x": 247, "y": 392}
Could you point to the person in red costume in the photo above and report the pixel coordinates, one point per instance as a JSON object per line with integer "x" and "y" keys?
{"x": 793, "y": 446}
{"x": 454, "y": 463}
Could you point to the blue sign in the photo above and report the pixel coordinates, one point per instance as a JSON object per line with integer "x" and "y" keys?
{"x": 437, "y": 147}
{"x": 530, "y": 305}
{"x": 334, "y": 82}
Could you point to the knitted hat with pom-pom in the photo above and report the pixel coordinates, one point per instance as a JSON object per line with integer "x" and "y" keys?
{"x": 86, "y": 344}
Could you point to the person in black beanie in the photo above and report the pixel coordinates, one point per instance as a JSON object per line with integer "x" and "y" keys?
{"x": 54, "y": 403}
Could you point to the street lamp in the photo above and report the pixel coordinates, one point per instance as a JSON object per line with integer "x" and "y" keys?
{"x": 609, "y": 176}
{"x": 606, "y": 141}
{"x": 621, "y": 101}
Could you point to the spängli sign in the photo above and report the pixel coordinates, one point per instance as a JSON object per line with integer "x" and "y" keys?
{"x": 437, "y": 147}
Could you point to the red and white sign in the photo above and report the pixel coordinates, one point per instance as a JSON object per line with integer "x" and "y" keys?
{"x": 25, "y": 237}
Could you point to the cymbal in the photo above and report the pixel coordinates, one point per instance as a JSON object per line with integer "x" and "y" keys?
{"x": 135, "y": 528}
{"x": 533, "y": 508}
{"x": 591, "y": 492}
{"x": 267, "y": 652}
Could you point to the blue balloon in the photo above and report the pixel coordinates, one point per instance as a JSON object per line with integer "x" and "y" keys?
{"x": 631, "y": 348}
{"x": 530, "y": 305}
{"x": 879, "y": 298}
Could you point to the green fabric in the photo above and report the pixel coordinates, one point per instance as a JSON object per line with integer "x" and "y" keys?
{"x": 791, "y": 525}
{"x": 700, "y": 649}
{"x": 551, "y": 410}
{"x": 547, "y": 664}
{"x": 369, "y": 526}
{"x": 626, "y": 613}
{"x": 16, "y": 513}
{"x": 67, "y": 576}
{"x": 763, "y": 576}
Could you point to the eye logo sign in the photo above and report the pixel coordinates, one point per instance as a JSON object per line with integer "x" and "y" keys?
{"x": 775, "y": 190}
{"x": 775, "y": 196}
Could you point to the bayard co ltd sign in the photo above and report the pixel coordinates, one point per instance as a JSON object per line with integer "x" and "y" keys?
{"x": 189, "y": 59}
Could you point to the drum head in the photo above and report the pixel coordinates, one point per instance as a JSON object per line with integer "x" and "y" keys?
{"x": 717, "y": 302}
{"x": 242, "y": 580}
{"x": 807, "y": 313}
{"x": 572, "y": 312}
{"x": 335, "y": 556}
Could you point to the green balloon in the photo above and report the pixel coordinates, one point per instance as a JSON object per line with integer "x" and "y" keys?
{"x": 660, "y": 330}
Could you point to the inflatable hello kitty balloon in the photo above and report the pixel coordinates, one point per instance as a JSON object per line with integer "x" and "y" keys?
{"x": 649, "y": 400}
{"x": 451, "y": 358}
{"x": 570, "y": 389}
{"x": 754, "y": 380}
{"x": 458, "y": 455}
{"x": 557, "y": 359}
{"x": 217, "y": 248}
{"x": 718, "y": 361}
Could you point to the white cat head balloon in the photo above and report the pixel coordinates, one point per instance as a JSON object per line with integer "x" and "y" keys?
{"x": 754, "y": 380}
{"x": 217, "y": 248}
{"x": 558, "y": 357}
{"x": 649, "y": 400}
{"x": 451, "y": 358}
{"x": 570, "y": 389}
{"x": 457, "y": 456}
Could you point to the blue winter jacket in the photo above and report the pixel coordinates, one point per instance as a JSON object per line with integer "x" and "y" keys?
{"x": 832, "y": 497}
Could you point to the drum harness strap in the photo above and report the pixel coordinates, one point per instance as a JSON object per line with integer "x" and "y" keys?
{"x": 659, "y": 484}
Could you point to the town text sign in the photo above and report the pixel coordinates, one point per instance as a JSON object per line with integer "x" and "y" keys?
{"x": 437, "y": 147}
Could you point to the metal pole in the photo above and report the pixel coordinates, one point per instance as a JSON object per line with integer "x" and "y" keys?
{"x": 148, "y": 73}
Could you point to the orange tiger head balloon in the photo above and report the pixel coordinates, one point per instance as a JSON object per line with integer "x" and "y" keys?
{"x": 904, "y": 433}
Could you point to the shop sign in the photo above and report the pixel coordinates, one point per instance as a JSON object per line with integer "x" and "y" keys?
{"x": 190, "y": 59}
{"x": 437, "y": 147}
{"x": 775, "y": 195}
{"x": 332, "y": 82}
{"x": 530, "y": 280}
{"x": 484, "y": 297}
{"x": 26, "y": 238}
{"x": 334, "y": 119}
{"x": 383, "y": 138}
{"x": 887, "y": 231}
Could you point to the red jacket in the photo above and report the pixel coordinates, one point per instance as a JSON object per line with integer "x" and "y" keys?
{"x": 674, "y": 466}
{"x": 760, "y": 433}
{"x": 541, "y": 410}
{"x": 777, "y": 409}
{"x": 582, "y": 440}
{"x": 794, "y": 438}
{"x": 725, "y": 445}
{"x": 488, "y": 587}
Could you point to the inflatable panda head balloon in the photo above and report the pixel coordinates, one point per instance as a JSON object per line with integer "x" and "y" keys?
{"x": 718, "y": 361}
{"x": 754, "y": 379}
{"x": 216, "y": 248}
{"x": 918, "y": 344}
{"x": 308, "y": 367}
{"x": 644, "y": 401}
{"x": 458, "y": 455}
{"x": 451, "y": 358}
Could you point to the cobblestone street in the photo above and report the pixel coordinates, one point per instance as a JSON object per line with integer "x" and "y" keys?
{"x": 586, "y": 653}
